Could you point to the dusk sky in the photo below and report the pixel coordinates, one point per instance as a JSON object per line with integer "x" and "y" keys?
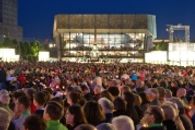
{"x": 37, "y": 16}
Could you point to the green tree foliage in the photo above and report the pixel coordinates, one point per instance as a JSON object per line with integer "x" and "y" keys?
{"x": 30, "y": 50}
{"x": 161, "y": 46}
{"x": 8, "y": 43}
{"x": 27, "y": 50}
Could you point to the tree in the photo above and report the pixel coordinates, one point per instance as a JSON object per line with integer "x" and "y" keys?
{"x": 30, "y": 50}
{"x": 161, "y": 46}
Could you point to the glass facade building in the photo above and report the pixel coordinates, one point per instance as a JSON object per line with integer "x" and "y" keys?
{"x": 103, "y": 38}
{"x": 8, "y": 20}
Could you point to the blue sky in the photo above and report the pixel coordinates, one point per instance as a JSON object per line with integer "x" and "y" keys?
{"x": 36, "y": 16}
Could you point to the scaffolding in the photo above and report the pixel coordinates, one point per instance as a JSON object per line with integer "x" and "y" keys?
{"x": 171, "y": 29}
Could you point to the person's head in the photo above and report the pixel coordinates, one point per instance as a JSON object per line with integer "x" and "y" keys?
{"x": 138, "y": 100}
{"x": 97, "y": 90}
{"x": 85, "y": 127}
{"x": 98, "y": 81}
{"x": 53, "y": 111}
{"x": 129, "y": 98}
{"x": 181, "y": 92}
{"x": 29, "y": 93}
{"x": 73, "y": 98}
{"x": 72, "y": 115}
{"x": 47, "y": 95}
{"x": 34, "y": 123}
{"x": 152, "y": 94}
{"x": 106, "y": 105}
{"x": 168, "y": 93}
{"x": 39, "y": 99}
{"x": 107, "y": 95}
{"x": 22, "y": 104}
{"x": 5, "y": 119}
{"x": 170, "y": 112}
{"x": 4, "y": 97}
{"x": 179, "y": 104}
{"x": 119, "y": 104}
{"x": 17, "y": 94}
{"x": 162, "y": 93}
{"x": 85, "y": 88}
{"x": 93, "y": 113}
{"x": 114, "y": 91}
{"x": 153, "y": 114}
{"x": 123, "y": 123}
{"x": 58, "y": 100}
{"x": 143, "y": 98}
{"x": 105, "y": 126}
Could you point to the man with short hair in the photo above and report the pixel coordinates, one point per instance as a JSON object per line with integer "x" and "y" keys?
{"x": 52, "y": 114}
{"x": 21, "y": 111}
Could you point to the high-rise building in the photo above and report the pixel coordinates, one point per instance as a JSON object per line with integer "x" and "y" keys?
{"x": 8, "y": 20}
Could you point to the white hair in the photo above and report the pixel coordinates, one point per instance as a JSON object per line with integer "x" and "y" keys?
{"x": 123, "y": 123}
{"x": 106, "y": 104}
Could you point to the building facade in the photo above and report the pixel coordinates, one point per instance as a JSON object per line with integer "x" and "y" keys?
{"x": 8, "y": 20}
{"x": 103, "y": 37}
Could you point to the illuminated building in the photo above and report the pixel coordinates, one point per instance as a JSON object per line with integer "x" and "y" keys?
{"x": 8, "y": 20}
{"x": 103, "y": 37}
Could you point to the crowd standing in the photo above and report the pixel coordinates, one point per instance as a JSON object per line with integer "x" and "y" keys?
{"x": 87, "y": 96}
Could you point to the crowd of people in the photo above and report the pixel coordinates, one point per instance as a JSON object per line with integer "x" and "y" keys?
{"x": 79, "y": 96}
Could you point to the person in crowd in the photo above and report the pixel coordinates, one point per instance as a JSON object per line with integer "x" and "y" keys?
{"x": 30, "y": 94}
{"x": 159, "y": 85}
{"x": 86, "y": 91}
{"x": 162, "y": 94}
{"x": 177, "y": 119}
{"x": 85, "y": 127}
{"x": 153, "y": 96}
{"x": 5, "y": 100}
{"x": 39, "y": 102}
{"x": 94, "y": 113}
{"x": 181, "y": 93}
{"x": 170, "y": 117}
{"x": 138, "y": 102}
{"x": 105, "y": 126}
{"x": 107, "y": 95}
{"x": 5, "y": 119}
{"x": 21, "y": 112}
{"x": 119, "y": 107}
{"x": 52, "y": 114}
{"x": 168, "y": 94}
{"x": 131, "y": 111}
{"x": 123, "y": 123}
{"x": 74, "y": 97}
{"x": 145, "y": 103}
{"x": 192, "y": 110}
{"x": 34, "y": 122}
{"x": 107, "y": 107}
{"x": 74, "y": 117}
{"x": 97, "y": 92}
{"x": 153, "y": 119}
{"x": 3, "y": 76}
{"x": 114, "y": 91}
{"x": 187, "y": 123}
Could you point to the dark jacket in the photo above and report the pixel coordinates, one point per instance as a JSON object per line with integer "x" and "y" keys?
{"x": 170, "y": 125}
